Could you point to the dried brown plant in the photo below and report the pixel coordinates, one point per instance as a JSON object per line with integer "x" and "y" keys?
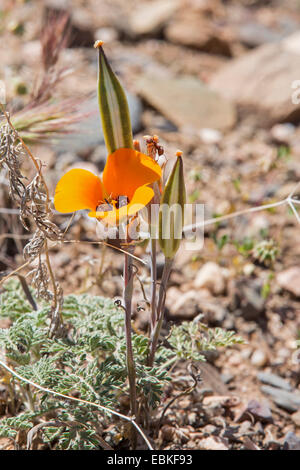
{"x": 34, "y": 204}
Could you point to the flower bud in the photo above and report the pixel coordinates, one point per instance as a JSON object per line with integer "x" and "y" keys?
{"x": 113, "y": 106}
{"x": 171, "y": 213}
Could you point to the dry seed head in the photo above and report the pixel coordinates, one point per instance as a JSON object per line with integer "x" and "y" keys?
{"x": 34, "y": 202}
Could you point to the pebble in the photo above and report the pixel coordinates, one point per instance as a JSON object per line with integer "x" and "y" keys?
{"x": 213, "y": 443}
{"x": 210, "y": 136}
{"x": 282, "y": 133}
{"x": 289, "y": 401}
{"x": 259, "y": 358}
{"x": 150, "y": 18}
{"x": 274, "y": 380}
{"x": 248, "y": 269}
{"x": 211, "y": 277}
{"x": 254, "y": 34}
{"x": 289, "y": 280}
{"x": 260, "y": 410}
{"x": 227, "y": 378}
{"x": 192, "y": 418}
{"x": 291, "y": 441}
{"x": 209, "y": 429}
{"x": 183, "y": 305}
{"x": 248, "y": 83}
{"x": 167, "y": 433}
{"x": 107, "y": 34}
{"x": 187, "y": 102}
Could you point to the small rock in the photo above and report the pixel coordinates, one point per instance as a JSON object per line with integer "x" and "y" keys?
{"x": 282, "y": 133}
{"x": 187, "y": 305}
{"x": 260, "y": 411}
{"x": 210, "y": 136}
{"x": 224, "y": 401}
{"x": 230, "y": 433}
{"x": 209, "y": 429}
{"x": 259, "y": 358}
{"x": 183, "y": 305}
{"x": 167, "y": 433}
{"x": 248, "y": 269}
{"x": 192, "y": 30}
{"x": 289, "y": 280}
{"x": 254, "y": 34}
{"x": 213, "y": 443}
{"x": 289, "y": 401}
{"x": 211, "y": 277}
{"x": 192, "y": 418}
{"x": 227, "y": 378}
{"x": 151, "y": 18}
{"x": 247, "y": 81}
{"x": 211, "y": 379}
{"x": 274, "y": 380}
{"x": 291, "y": 441}
{"x": 249, "y": 445}
{"x": 187, "y": 102}
{"x": 245, "y": 428}
{"x": 107, "y": 34}
{"x": 257, "y": 224}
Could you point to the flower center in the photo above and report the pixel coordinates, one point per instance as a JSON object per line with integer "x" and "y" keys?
{"x": 122, "y": 201}
{"x": 109, "y": 204}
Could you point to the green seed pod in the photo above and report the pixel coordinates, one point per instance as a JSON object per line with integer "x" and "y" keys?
{"x": 171, "y": 213}
{"x": 113, "y": 106}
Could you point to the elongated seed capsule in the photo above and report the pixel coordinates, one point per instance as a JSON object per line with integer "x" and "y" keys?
{"x": 171, "y": 212}
{"x": 113, "y": 106}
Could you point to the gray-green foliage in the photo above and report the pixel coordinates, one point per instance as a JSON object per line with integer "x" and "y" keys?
{"x": 191, "y": 340}
{"x": 88, "y": 362}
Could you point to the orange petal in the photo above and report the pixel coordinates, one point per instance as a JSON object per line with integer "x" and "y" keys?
{"x": 126, "y": 170}
{"x": 77, "y": 189}
{"x": 141, "y": 198}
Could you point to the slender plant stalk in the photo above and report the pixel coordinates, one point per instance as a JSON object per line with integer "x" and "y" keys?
{"x": 153, "y": 282}
{"x": 128, "y": 289}
{"x": 190, "y": 228}
{"x": 160, "y": 309}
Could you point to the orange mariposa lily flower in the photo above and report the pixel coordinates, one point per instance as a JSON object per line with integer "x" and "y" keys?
{"x": 122, "y": 193}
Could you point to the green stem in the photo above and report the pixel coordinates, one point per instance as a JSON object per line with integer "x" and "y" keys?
{"x": 160, "y": 309}
{"x": 153, "y": 283}
{"x": 128, "y": 289}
